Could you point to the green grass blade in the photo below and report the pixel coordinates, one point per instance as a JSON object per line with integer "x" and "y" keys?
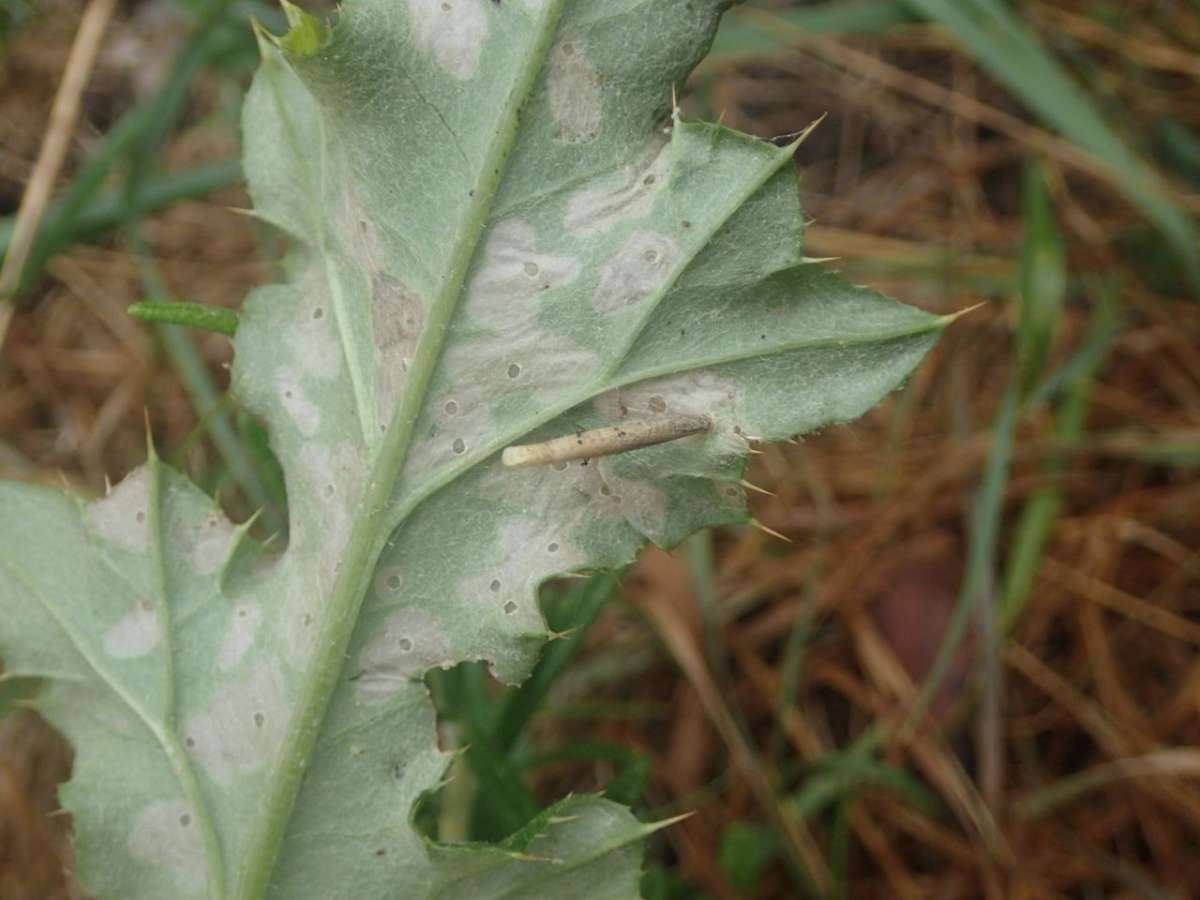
{"x": 743, "y": 35}
{"x": 991, "y": 32}
{"x": 840, "y": 775}
{"x": 137, "y": 137}
{"x": 67, "y": 223}
{"x": 1042, "y": 282}
{"x": 1037, "y": 519}
{"x": 1043, "y": 279}
{"x": 583, "y": 604}
{"x": 503, "y": 803}
{"x": 746, "y": 850}
{"x": 981, "y": 554}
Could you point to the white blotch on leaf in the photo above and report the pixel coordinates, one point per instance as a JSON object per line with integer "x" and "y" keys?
{"x": 642, "y": 503}
{"x": 407, "y": 644}
{"x": 123, "y": 517}
{"x": 576, "y": 101}
{"x": 292, "y": 395}
{"x": 314, "y": 343}
{"x": 207, "y": 542}
{"x": 240, "y": 731}
{"x": 165, "y": 836}
{"x": 501, "y": 285}
{"x": 639, "y": 268}
{"x": 699, "y": 392}
{"x": 293, "y": 622}
{"x": 135, "y": 634}
{"x": 450, "y": 31}
{"x": 628, "y": 194}
{"x": 244, "y": 621}
{"x": 531, "y": 549}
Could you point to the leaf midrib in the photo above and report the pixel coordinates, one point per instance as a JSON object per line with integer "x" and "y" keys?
{"x": 371, "y": 529}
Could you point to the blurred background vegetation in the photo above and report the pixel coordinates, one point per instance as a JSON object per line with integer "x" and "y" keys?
{"x": 971, "y": 673}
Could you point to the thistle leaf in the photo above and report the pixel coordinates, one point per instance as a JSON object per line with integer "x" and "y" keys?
{"x": 502, "y": 233}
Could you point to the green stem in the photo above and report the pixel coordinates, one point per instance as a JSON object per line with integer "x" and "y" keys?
{"x": 187, "y": 315}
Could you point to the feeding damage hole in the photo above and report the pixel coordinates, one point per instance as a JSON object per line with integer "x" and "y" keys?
{"x": 605, "y": 441}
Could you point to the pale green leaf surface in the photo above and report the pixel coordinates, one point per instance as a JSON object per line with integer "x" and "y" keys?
{"x": 500, "y": 234}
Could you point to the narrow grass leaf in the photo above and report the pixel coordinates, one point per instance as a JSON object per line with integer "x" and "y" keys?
{"x": 993, "y": 35}
{"x": 744, "y": 35}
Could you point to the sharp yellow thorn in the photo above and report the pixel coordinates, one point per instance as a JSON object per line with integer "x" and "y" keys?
{"x": 151, "y": 452}
{"x": 771, "y": 531}
{"x": 969, "y": 309}
{"x": 754, "y": 487}
{"x": 817, "y": 260}
{"x": 803, "y": 136}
